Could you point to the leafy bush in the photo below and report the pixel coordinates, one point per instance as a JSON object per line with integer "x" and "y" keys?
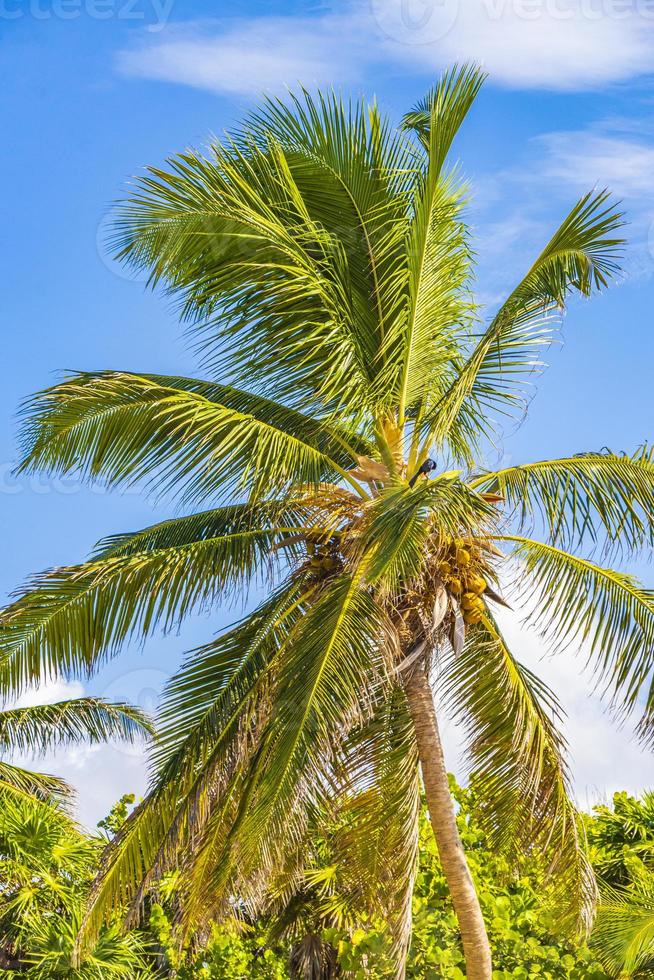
{"x": 47, "y": 867}
{"x": 48, "y": 864}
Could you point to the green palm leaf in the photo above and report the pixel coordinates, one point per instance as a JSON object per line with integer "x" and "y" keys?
{"x": 322, "y": 690}
{"x": 581, "y": 256}
{"x": 517, "y": 756}
{"x": 69, "y": 619}
{"x": 376, "y": 841}
{"x": 210, "y": 723}
{"x": 288, "y": 299}
{"x": 352, "y": 172}
{"x": 25, "y": 784}
{"x": 604, "y": 497}
{"x": 623, "y": 936}
{"x": 438, "y": 117}
{"x": 191, "y": 438}
{"x": 573, "y": 600}
{"x": 40, "y": 728}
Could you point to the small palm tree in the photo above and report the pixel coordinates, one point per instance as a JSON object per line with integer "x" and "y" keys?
{"x": 324, "y": 259}
{"x": 47, "y": 867}
{"x": 40, "y": 728}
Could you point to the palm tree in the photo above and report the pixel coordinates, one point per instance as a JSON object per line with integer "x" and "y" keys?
{"x": 323, "y": 259}
{"x": 39, "y": 728}
{"x": 622, "y": 845}
{"x": 47, "y": 867}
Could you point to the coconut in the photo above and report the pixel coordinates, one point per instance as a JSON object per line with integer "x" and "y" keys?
{"x": 469, "y": 600}
{"x": 476, "y": 583}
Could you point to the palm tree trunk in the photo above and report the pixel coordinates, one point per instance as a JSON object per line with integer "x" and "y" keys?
{"x": 442, "y": 816}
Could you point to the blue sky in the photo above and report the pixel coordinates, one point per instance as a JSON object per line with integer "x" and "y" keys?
{"x": 94, "y": 90}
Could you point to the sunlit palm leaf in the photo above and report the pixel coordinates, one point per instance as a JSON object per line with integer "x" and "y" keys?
{"x": 40, "y": 728}
{"x": 353, "y": 172}
{"x": 191, "y": 438}
{"x": 246, "y": 236}
{"x": 581, "y": 256}
{"x": 69, "y": 619}
{"x": 623, "y": 937}
{"x": 438, "y": 117}
{"x": 209, "y": 725}
{"x": 604, "y": 497}
{"x": 517, "y": 756}
{"x": 25, "y": 784}
{"x": 376, "y": 841}
{"x": 324, "y": 687}
{"x": 573, "y": 600}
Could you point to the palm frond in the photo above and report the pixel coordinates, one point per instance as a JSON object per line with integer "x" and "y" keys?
{"x": 437, "y": 118}
{"x": 193, "y": 439}
{"x": 281, "y": 518}
{"x": 582, "y": 255}
{"x": 67, "y": 620}
{"x": 573, "y": 600}
{"x": 353, "y": 172}
{"x": 623, "y": 937}
{"x": 279, "y": 239}
{"x": 517, "y": 756}
{"x": 324, "y": 687}
{"x": 25, "y": 784}
{"x": 210, "y": 720}
{"x": 604, "y": 497}
{"x": 39, "y": 728}
{"x": 375, "y": 841}
{"x": 439, "y": 308}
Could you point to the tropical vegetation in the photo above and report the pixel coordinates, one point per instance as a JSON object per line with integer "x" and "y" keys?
{"x": 322, "y": 258}
{"x": 49, "y": 865}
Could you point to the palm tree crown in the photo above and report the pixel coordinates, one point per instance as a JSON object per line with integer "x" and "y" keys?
{"x": 323, "y": 259}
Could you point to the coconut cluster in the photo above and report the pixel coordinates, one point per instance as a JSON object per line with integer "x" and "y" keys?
{"x": 461, "y": 570}
{"x": 323, "y": 554}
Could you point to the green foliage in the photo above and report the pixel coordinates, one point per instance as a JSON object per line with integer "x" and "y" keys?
{"x": 322, "y": 256}
{"x": 621, "y": 839}
{"x": 48, "y": 863}
{"x": 47, "y": 867}
{"x": 117, "y": 816}
{"x": 517, "y": 907}
{"x": 230, "y": 953}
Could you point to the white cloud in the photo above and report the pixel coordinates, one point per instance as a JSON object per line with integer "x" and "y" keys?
{"x": 100, "y": 775}
{"x": 589, "y": 158}
{"x": 609, "y": 154}
{"x": 554, "y": 44}
{"x": 248, "y": 57}
{"x": 54, "y": 690}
